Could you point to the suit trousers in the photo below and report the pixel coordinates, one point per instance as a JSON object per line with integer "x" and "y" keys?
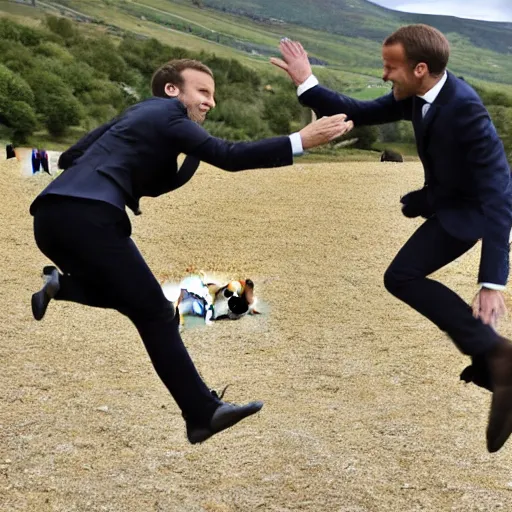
{"x": 90, "y": 242}
{"x": 429, "y": 249}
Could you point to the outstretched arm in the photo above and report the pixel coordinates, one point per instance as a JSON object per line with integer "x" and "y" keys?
{"x": 326, "y": 102}
{"x": 236, "y": 156}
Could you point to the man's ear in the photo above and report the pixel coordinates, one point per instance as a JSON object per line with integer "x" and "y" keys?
{"x": 421, "y": 70}
{"x": 171, "y": 90}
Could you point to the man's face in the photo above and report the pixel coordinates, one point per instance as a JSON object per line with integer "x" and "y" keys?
{"x": 399, "y": 71}
{"x": 197, "y": 94}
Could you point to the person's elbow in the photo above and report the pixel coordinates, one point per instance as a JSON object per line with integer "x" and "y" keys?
{"x": 64, "y": 161}
{"x": 68, "y": 158}
{"x": 234, "y": 159}
{"x": 233, "y": 166}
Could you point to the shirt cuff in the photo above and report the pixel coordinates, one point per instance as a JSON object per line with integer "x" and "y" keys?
{"x": 296, "y": 141}
{"x": 308, "y": 84}
{"x": 492, "y": 286}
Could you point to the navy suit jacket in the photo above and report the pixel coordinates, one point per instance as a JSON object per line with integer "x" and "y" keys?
{"x": 467, "y": 177}
{"x": 135, "y": 155}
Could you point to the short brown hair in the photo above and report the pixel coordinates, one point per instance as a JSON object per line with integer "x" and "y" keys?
{"x": 422, "y": 43}
{"x": 170, "y": 73}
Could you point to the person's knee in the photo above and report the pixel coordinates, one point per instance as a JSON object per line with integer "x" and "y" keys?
{"x": 389, "y": 281}
{"x": 393, "y": 281}
{"x": 159, "y": 309}
{"x": 166, "y": 311}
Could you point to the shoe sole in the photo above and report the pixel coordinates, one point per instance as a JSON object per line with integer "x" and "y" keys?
{"x": 39, "y": 304}
{"x": 229, "y": 420}
{"x": 500, "y": 420}
{"x": 41, "y": 299}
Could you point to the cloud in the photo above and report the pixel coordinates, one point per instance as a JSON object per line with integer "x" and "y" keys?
{"x": 490, "y": 10}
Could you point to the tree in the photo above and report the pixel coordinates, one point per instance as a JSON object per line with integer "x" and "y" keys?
{"x": 104, "y": 92}
{"x": 55, "y": 101}
{"x": 19, "y": 116}
{"x": 502, "y": 119}
{"x": 61, "y": 26}
{"x": 28, "y": 36}
{"x": 102, "y": 55}
{"x": 13, "y": 87}
{"x": 79, "y": 76}
{"x": 62, "y": 112}
{"x": 18, "y": 58}
{"x": 242, "y": 116}
{"x": 54, "y": 50}
{"x": 280, "y": 110}
{"x": 366, "y": 136}
{"x": 9, "y": 30}
{"x": 493, "y": 97}
{"x": 23, "y": 120}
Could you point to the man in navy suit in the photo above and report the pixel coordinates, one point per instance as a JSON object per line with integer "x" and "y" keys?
{"x": 80, "y": 222}
{"x": 467, "y": 196}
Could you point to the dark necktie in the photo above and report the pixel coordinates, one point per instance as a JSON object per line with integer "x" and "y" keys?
{"x": 418, "y": 108}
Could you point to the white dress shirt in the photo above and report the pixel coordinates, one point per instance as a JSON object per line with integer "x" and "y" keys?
{"x": 296, "y": 141}
{"x": 431, "y": 95}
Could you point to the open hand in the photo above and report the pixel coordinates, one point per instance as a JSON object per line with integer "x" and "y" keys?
{"x": 489, "y": 306}
{"x": 324, "y": 130}
{"x": 295, "y": 61}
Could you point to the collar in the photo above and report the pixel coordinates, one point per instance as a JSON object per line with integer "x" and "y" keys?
{"x": 431, "y": 95}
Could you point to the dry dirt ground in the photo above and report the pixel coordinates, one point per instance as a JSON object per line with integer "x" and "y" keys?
{"x": 363, "y": 407}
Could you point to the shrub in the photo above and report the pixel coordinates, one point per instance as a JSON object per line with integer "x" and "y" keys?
{"x": 19, "y": 116}
{"x": 12, "y": 86}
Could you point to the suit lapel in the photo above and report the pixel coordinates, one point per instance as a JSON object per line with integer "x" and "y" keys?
{"x": 417, "y": 123}
{"x": 427, "y": 122}
{"x": 444, "y": 96}
{"x": 429, "y": 117}
{"x": 423, "y": 125}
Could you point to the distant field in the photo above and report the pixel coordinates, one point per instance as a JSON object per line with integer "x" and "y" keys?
{"x": 23, "y": 13}
{"x": 348, "y": 58}
{"x": 344, "y": 54}
{"x": 346, "y": 72}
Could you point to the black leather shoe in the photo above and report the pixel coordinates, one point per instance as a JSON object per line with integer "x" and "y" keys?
{"x": 499, "y": 427}
{"x": 41, "y": 299}
{"x": 48, "y": 271}
{"x": 226, "y": 415}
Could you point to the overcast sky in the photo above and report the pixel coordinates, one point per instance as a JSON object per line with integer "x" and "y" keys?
{"x": 489, "y": 10}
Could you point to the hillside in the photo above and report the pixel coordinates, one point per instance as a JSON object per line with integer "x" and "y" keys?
{"x": 343, "y": 35}
{"x": 361, "y": 18}
{"x": 92, "y": 73}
